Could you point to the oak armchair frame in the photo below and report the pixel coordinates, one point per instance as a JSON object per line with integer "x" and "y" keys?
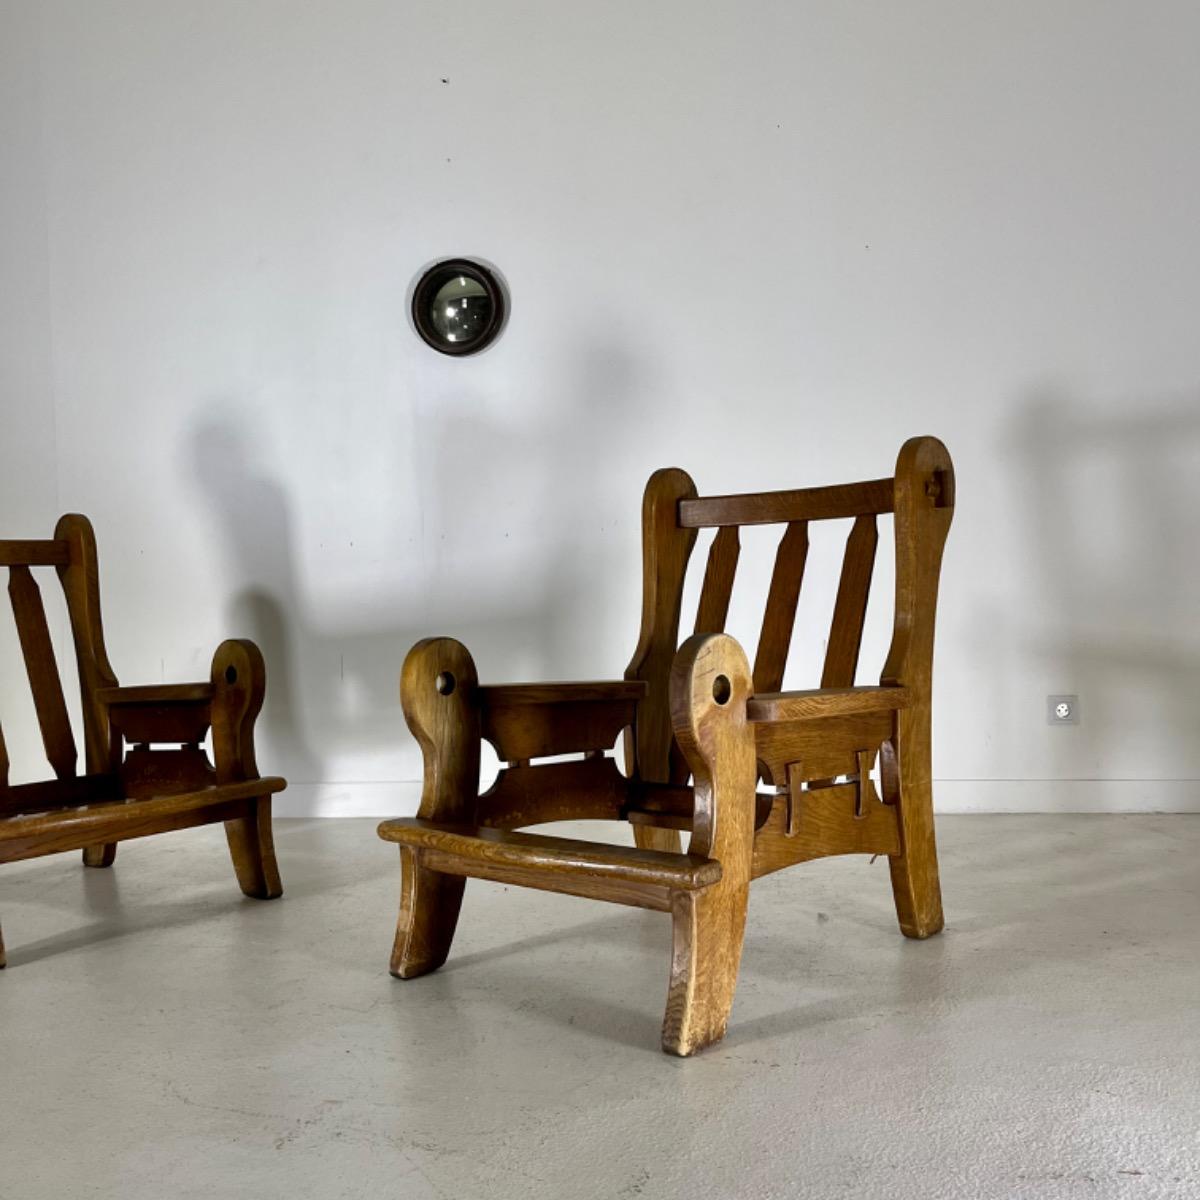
{"x": 695, "y": 710}
{"x": 146, "y": 770}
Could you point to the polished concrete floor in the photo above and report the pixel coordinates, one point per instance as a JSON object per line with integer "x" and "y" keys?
{"x": 160, "y": 1036}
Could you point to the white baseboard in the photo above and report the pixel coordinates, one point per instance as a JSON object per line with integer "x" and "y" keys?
{"x": 399, "y": 799}
{"x": 1067, "y": 795}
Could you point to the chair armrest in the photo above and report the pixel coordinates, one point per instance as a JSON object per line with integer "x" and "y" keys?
{"x": 825, "y": 702}
{"x": 535, "y": 720}
{"x": 563, "y": 693}
{"x": 160, "y": 712}
{"x": 157, "y": 693}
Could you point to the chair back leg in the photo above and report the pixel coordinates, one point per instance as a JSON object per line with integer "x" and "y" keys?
{"x": 907, "y": 780}
{"x": 653, "y": 837}
{"x": 924, "y": 508}
{"x": 252, "y": 848}
{"x": 103, "y": 855}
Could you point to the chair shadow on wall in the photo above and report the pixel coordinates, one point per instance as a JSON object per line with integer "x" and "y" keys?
{"x": 332, "y": 684}
{"x": 333, "y": 688}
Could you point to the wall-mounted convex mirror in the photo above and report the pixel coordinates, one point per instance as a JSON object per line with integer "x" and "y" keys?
{"x": 458, "y": 306}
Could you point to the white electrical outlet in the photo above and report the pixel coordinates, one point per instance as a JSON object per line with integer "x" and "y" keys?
{"x": 1062, "y": 710}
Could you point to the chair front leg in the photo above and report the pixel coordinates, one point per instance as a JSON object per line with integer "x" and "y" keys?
{"x": 239, "y": 684}
{"x": 105, "y": 854}
{"x": 429, "y": 907}
{"x": 438, "y": 685}
{"x": 710, "y": 684}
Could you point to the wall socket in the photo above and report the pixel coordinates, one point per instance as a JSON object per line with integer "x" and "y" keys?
{"x": 1062, "y": 710}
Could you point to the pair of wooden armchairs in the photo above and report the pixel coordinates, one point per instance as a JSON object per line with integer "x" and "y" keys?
{"x": 702, "y": 730}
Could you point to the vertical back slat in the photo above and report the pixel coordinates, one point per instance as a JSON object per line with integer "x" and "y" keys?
{"x": 712, "y": 611}
{"x": 718, "y": 581}
{"x": 3, "y": 761}
{"x": 850, "y": 611}
{"x": 42, "y": 669}
{"x": 779, "y": 618}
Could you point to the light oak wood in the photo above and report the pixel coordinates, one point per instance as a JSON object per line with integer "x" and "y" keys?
{"x": 695, "y": 712}
{"x": 924, "y": 509}
{"x": 587, "y": 887}
{"x": 579, "y": 790}
{"x": 827, "y": 702}
{"x": 666, "y": 550}
{"x": 239, "y": 683}
{"x": 438, "y": 686}
{"x": 827, "y": 746}
{"x": 850, "y": 611}
{"x": 524, "y": 723}
{"x": 779, "y": 619}
{"x": 710, "y": 683}
{"x": 718, "y": 581}
{"x": 132, "y": 785}
{"x": 36, "y": 835}
{"x": 825, "y": 822}
{"x": 674, "y": 806}
{"x": 803, "y": 504}
{"x": 480, "y": 844}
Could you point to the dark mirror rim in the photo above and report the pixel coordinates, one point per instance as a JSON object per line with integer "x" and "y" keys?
{"x": 432, "y": 280}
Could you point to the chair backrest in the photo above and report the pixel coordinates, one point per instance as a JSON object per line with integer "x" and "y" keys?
{"x": 72, "y": 551}
{"x": 920, "y": 495}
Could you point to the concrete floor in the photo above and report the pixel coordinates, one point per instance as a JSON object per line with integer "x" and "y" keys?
{"x": 161, "y": 1036}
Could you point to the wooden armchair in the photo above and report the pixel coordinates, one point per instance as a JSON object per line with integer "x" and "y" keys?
{"x": 699, "y": 711}
{"x": 147, "y": 789}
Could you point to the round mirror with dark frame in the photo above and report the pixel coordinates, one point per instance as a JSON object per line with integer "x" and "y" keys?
{"x": 458, "y": 306}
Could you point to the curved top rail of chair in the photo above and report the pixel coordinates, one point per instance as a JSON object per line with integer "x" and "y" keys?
{"x": 800, "y": 504}
{"x": 34, "y": 553}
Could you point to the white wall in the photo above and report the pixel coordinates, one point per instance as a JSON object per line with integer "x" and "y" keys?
{"x": 763, "y": 241}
